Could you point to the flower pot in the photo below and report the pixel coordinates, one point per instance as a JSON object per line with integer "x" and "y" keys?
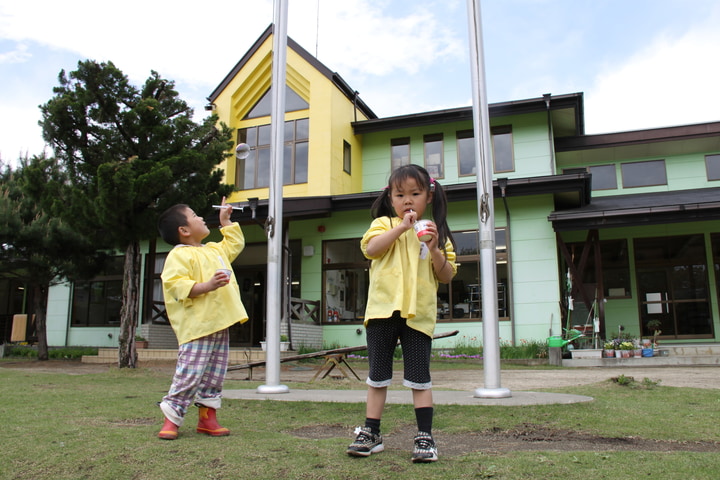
{"x": 625, "y": 353}
{"x": 618, "y": 353}
{"x": 263, "y": 345}
{"x": 140, "y": 344}
{"x": 609, "y": 353}
{"x": 647, "y": 352}
{"x": 284, "y": 346}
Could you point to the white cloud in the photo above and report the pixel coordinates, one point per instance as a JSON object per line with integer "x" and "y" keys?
{"x": 673, "y": 81}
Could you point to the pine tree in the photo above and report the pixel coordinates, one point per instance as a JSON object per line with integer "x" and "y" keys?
{"x": 130, "y": 153}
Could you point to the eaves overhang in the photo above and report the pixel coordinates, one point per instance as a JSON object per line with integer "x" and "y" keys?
{"x": 572, "y": 102}
{"x": 657, "y": 208}
{"x": 569, "y": 190}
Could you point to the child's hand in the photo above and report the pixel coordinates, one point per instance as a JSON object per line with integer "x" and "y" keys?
{"x": 220, "y": 279}
{"x": 432, "y": 230}
{"x": 408, "y": 220}
{"x": 225, "y": 213}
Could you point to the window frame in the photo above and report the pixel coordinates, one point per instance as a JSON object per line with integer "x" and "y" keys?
{"x": 432, "y": 142}
{"x": 398, "y": 146}
{"x": 646, "y": 173}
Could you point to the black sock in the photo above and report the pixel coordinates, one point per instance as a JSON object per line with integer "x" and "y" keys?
{"x": 373, "y": 424}
{"x": 424, "y": 417}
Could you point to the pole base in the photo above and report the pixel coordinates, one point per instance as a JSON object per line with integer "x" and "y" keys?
{"x": 273, "y": 389}
{"x": 492, "y": 393}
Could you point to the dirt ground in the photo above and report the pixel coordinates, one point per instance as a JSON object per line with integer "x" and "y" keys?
{"x": 527, "y": 437}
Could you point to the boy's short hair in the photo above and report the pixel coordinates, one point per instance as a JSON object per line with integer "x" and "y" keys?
{"x": 170, "y": 221}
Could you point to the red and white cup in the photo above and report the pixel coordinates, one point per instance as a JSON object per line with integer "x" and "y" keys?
{"x": 421, "y": 229}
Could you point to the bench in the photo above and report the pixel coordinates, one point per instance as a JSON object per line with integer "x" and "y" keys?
{"x": 334, "y": 358}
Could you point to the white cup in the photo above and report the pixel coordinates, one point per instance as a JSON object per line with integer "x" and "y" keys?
{"x": 421, "y": 228}
{"x": 226, "y": 271}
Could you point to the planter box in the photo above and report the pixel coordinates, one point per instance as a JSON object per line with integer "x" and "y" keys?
{"x": 586, "y": 353}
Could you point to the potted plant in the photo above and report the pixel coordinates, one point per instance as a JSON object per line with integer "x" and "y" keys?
{"x": 626, "y": 348}
{"x": 654, "y": 325}
{"x": 284, "y": 343}
{"x": 141, "y": 342}
{"x": 609, "y": 349}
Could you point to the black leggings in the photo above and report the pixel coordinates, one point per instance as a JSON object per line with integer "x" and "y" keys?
{"x": 382, "y": 336}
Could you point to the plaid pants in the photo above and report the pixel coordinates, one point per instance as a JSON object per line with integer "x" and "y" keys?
{"x": 199, "y": 373}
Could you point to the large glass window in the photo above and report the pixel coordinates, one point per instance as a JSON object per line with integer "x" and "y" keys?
{"x": 263, "y": 107}
{"x": 644, "y": 174}
{"x": 672, "y": 285}
{"x": 615, "y": 267}
{"x": 462, "y": 298}
{"x": 254, "y": 171}
{"x": 98, "y": 301}
{"x": 399, "y": 152}
{"x": 434, "y": 155}
{"x": 346, "y": 280}
{"x": 502, "y": 146}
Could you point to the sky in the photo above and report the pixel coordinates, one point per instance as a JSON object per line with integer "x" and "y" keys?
{"x": 402, "y": 56}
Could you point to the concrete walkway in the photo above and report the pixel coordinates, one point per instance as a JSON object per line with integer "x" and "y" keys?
{"x": 440, "y": 397}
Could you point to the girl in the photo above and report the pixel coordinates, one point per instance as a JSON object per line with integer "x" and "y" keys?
{"x": 402, "y": 300}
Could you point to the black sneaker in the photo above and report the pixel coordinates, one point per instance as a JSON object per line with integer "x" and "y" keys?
{"x": 425, "y": 449}
{"x": 366, "y": 443}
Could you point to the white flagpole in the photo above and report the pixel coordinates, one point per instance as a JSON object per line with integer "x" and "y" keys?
{"x": 486, "y": 211}
{"x": 273, "y": 309}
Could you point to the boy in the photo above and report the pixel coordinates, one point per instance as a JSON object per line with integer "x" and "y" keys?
{"x": 202, "y": 300}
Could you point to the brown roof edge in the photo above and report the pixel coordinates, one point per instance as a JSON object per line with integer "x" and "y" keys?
{"x": 334, "y": 77}
{"x": 516, "y": 107}
{"x": 634, "y": 137}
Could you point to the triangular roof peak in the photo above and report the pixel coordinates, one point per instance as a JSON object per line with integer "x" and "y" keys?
{"x": 334, "y": 77}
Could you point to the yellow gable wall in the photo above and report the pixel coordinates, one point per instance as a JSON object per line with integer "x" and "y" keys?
{"x": 330, "y": 114}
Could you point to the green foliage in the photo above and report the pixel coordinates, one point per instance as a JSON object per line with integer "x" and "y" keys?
{"x": 62, "y": 353}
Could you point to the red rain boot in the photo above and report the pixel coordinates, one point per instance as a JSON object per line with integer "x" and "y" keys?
{"x": 207, "y": 423}
{"x": 169, "y": 430}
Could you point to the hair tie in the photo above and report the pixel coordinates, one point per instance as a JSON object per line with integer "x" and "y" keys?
{"x": 432, "y": 184}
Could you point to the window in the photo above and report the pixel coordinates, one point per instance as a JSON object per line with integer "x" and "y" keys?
{"x": 673, "y": 287}
{"x": 615, "y": 267}
{"x": 399, "y": 152}
{"x": 712, "y": 165}
{"x": 465, "y": 152}
{"x": 502, "y": 143}
{"x": 643, "y": 174}
{"x": 263, "y": 107}
{"x": 346, "y": 280}
{"x": 98, "y": 301}
{"x": 434, "y": 154}
{"x": 462, "y": 298}
{"x": 254, "y": 171}
{"x": 347, "y": 157}
{"x": 603, "y": 177}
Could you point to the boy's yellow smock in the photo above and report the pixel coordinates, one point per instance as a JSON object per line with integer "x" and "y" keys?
{"x": 400, "y": 280}
{"x": 192, "y": 318}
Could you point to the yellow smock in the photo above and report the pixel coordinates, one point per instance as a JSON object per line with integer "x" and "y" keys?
{"x": 403, "y": 279}
{"x": 186, "y": 265}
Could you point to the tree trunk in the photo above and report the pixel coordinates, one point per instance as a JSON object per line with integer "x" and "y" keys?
{"x": 127, "y": 355}
{"x": 40, "y": 311}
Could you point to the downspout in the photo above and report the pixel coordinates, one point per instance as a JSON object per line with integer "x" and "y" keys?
{"x": 502, "y": 183}
{"x": 551, "y": 145}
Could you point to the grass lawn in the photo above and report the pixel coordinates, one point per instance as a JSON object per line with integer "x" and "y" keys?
{"x": 103, "y": 426}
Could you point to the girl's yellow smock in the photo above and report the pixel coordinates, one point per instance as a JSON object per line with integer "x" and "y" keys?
{"x": 193, "y": 318}
{"x": 400, "y": 280}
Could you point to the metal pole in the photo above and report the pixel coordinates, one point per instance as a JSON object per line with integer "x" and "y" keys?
{"x": 273, "y": 309}
{"x": 486, "y": 219}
